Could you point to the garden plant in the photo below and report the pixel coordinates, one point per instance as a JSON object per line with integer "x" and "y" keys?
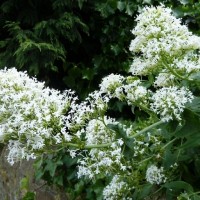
{"x": 148, "y": 148}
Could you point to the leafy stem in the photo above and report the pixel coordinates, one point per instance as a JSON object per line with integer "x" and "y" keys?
{"x": 174, "y": 72}
{"x": 147, "y": 128}
{"x": 91, "y": 146}
{"x": 170, "y": 142}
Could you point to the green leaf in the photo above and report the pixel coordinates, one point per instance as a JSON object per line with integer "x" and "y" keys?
{"x": 194, "y": 106}
{"x": 29, "y": 196}
{"x": 195, "y": 197}
{"x": 51, "y": 166}
{"x": 192, "y": 142}
{"x": 191, "y": 126}
{"x": 68, "y": 161}
{"x": 121, "y": 5}
{"x": 38, "y": 162}
{"x": 58, "y": 180}
{"x": 169, "y": 158}
{"x": 39, "y": 174}
{"x": 195, "y": 76}
{"x": 24, "y": 183}
{"x": 145, "y": 191}
{"x": 88, "y": 74}
{"x": 179, "y": 185}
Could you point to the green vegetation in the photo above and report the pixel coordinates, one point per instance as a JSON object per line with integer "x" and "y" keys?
{"x": 73, "y": 44}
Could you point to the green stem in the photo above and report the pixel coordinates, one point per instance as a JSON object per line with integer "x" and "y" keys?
{"x": 91, "y": 146}
{"x": 146, "y": 109}
{"x": 175, "y": 73}
{"x": 145, "y": 160}
{"x": 97, "y": 146}
{"x": 179, "y": 151}
{"x": 198, "y": 192}
{"x": 168, "y": 143}
{"x": 147, "y": 128}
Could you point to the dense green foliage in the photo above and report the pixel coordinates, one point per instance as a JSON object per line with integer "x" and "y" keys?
{"x": 73, "y": 44}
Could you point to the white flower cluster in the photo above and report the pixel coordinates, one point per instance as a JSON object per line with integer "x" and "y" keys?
{"x": 98, "y": 133}
{"x": 135, "y": 92}
{"x": 116, "y": 189}
{"x": 189, "y": 63}
{"x": 30, "y": 114}
{"x": 144, "y": 144}
{"x": 93, "y": 106}
{"x": 110, "y": 83}
{"x": 161, "y": 38}
{"x": 185, "y": 65}
{"x": 101, "y": 160}
{"x": 129, "y": 89}
{"x": 155, "y": 175}
{"x": 164, "y": 79}
{"x": 169, "y": 102}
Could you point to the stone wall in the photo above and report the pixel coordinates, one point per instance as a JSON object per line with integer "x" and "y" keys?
{"x": 11, "y": 176}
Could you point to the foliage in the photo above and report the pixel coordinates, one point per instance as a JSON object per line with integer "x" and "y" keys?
{"x": 150, "y": 149}
{"x": 24, "y": 186}
{"x": 58, "y": 42}
{"x": 60, "y": 170}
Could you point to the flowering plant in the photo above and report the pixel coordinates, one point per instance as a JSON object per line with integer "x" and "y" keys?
{"x": 150, "y": 149}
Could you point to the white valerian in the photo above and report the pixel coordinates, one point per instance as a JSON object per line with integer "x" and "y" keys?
{"x": 116, "y": 189}
{"x": 31, "y": 115}
{"x": 169, "y": 102}
{"x": 110, "y": 83}
{"x": 163, "y": 42}
{"x": 155, "y": 175}
{"x": 100, "y": 160}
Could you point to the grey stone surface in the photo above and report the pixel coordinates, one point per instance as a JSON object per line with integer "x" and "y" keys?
{"x": 11, "y": 176}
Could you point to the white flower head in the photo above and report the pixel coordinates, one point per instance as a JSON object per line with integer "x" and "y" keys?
{"x": 159, "y": 36}
{"x": 155, "y": 175}
{"x": 169, "y": 102}
{"x": 116, "y": 189}
{"x": 97, "y": 131}
{"x": 164, "y": 79}
{"x": 110, "y": 83}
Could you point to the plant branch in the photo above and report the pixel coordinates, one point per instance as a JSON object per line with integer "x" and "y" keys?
{"x": 147, "y": 128}
{"x": 91, "y": 146}
{"x": 168, "y": 143}
{"x": 175, "y": 73}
